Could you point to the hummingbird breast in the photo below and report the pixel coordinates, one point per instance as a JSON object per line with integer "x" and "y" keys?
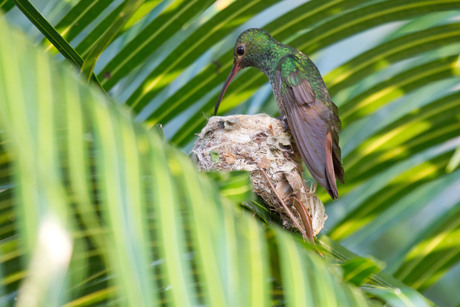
{"x": 277, "y": 94}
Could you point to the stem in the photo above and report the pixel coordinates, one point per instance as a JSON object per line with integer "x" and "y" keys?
{"x": 304, "y": 216}
{"x": 306, "y": 221}
{"x": 289, "y": 212}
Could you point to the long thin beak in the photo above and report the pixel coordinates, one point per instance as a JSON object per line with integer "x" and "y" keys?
{"x": 232, "y": 74}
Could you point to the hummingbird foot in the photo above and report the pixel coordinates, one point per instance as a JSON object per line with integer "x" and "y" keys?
{"x": 283, "y": 119}
{"x": 311, "y": 186}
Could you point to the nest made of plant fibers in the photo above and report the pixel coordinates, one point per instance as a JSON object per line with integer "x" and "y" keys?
{"x": 263, "y": 146}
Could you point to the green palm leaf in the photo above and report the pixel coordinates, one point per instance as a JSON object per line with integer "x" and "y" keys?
{"x": 394, "y": 73}
{"x": 118, "y": 216}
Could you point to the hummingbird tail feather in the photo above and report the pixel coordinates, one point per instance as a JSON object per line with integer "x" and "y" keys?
{"x": 330, "y": 173}
{"x": 337, "y": 153}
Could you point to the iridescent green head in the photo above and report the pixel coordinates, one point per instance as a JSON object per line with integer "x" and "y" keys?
{"x": 253, "y": 48}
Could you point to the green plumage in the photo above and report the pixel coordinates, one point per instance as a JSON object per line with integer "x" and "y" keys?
{"x": 301, "y": 96}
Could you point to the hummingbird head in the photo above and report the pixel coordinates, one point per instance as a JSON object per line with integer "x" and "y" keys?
{"x": 253, "y": 48}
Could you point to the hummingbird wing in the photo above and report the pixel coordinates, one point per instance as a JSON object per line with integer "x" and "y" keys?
{"x": 313, "y": 120}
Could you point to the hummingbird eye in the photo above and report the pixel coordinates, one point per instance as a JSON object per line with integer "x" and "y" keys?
{"x": 240, "y": 50}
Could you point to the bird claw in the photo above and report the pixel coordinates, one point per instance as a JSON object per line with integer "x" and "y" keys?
{"x": 311, "y": 186}
{"x": 283, "y": 119}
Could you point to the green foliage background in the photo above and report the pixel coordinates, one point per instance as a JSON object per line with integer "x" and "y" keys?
{"x": 80, "y": 164}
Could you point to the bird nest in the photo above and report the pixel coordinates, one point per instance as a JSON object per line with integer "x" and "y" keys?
{"x": 262, "y": 145}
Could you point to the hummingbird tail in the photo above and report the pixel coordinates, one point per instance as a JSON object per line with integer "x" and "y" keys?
{"x": 336, "y": 152}
{"x": 330, "y": 173}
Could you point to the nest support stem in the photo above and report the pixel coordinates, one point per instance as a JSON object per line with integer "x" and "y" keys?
{"x": 288, "y": 211}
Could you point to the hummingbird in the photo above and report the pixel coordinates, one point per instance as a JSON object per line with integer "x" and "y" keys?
{"x": 302, "y": 99}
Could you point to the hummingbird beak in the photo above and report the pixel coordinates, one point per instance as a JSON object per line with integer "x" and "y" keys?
{"x": 232, "y": 74}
